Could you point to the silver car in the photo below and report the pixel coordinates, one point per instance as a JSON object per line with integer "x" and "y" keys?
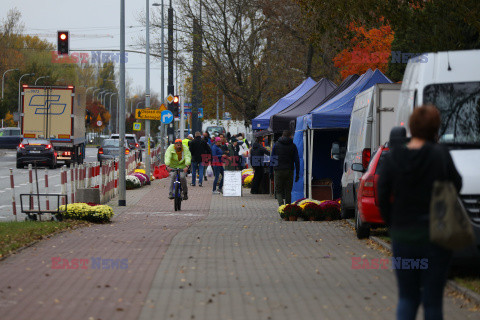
{"x": 109, "y": 150}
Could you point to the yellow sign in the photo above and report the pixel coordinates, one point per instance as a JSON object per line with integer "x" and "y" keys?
{"x": 162, "y": 107}
{"x": 170, "y": 98}
{"x": 137, "y": 126}
{"x": 148, "y": 114}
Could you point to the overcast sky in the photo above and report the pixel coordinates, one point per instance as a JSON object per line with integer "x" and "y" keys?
{"x": 93, "y": 25}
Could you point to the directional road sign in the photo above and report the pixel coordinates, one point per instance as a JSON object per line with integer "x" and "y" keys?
{"x": 167, "y": 116}
{"x": 147, "y": 114}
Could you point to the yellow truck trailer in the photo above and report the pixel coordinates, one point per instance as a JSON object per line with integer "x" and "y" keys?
{"x": 57, "y": 114}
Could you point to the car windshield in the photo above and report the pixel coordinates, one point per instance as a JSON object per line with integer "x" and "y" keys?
{"x": 211, "y": 130}
{"x": 459, "y": 105}
{"x": 111, "y": 143}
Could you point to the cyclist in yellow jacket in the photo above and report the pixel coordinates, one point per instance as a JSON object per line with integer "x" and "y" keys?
{"x": 178, "y": 156}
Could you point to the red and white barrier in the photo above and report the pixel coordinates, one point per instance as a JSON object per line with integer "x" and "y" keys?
{"x": 47, "y": 200}
{"x": 30, "y": 182}
{"x": 12, "y": 185}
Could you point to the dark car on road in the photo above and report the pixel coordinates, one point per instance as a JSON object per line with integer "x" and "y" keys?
{"x": 142, "y": 143}
{"x": 36, "y": 151}
{"x": 10, "y": 138}
{"x": 109, "y": 150}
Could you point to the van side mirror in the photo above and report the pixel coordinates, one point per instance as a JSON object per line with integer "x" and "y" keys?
{"x": 358, "y": 167}
{"x": 337, "y": 152}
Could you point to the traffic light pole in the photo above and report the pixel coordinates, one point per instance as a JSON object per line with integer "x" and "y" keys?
{"x": 170, "y": 87}
{"x": 147, "y": 90}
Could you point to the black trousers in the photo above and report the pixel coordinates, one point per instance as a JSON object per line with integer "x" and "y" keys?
{"x": 257, "y": 179}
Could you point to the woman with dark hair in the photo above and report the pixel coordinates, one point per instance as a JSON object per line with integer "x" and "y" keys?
{"x": 406, "y": 178}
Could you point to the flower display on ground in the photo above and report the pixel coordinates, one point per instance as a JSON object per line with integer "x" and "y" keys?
{"x": 331, "y": 210}
{"x": 140, "y": 171}
{"x": 314, "y": 210}
{"x": 84, "y": 211}
{"x": 292, "y": 211}
{"x": 132, "y": 182}
{"x": 247, "y": 183}
{"x": 281, "y": 211}
{"x": 142, "y": 177}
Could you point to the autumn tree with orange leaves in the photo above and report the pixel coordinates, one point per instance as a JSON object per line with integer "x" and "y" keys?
{"x": 98, "y": 112}
{"x": 369, "y": 49}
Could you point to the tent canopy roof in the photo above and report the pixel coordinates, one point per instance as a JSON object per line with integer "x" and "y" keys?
{"x": 306, "y": 103}
{"x": 261, "y": 121}
{"x": 336, "y": 112}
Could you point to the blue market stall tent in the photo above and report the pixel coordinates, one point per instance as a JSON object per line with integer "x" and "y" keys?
{"x": 315, "y": 132}
{"x": 262, "y": 121}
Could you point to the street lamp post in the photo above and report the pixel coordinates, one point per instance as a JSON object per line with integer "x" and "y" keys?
{"x": 110, "y": 104}
{"x": 147, "y": 85}
{"x": 19, "y": 97}
{"x": 162, "y": 96}
{"x": 44, "y": 77}
{"x": 3, "y": 79}
{"x": 86, "y": 91}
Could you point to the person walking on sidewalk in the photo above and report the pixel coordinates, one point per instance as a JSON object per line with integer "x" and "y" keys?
{"x": 407, "y": 175}
{"x": 257, "y": 154}
{"x": 178, "y": 156}
{"x": 199, "y": 149}
{"x": 208, "y": 157}
{"x": 217, "y": 164}
{"x": 283, "y": 161}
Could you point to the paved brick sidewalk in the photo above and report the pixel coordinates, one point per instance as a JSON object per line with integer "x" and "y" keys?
{"x": 30, "y": 289}
{"x": 242, "y": 262}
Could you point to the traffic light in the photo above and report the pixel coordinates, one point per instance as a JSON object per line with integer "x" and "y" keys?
{"x": 175, "y": 103}
{"x": 62, "y": 42}
{"x": 88, "y": 117}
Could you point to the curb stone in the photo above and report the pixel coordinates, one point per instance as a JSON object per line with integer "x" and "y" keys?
{"x": 451, "y": 284}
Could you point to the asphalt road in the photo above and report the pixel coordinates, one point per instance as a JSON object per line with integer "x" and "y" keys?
{"x": 7, "y": 162}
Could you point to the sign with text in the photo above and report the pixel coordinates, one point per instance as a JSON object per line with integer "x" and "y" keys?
{"x": 232, "y": 184}
{"x": 148, "y": 114}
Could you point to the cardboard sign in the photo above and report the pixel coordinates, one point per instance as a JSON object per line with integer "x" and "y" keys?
{"x": 232, "y": 184}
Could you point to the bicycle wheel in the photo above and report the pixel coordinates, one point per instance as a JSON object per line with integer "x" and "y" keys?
{"x": 178, "y": 197}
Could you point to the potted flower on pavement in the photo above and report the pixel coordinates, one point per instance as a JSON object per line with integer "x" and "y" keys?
{"x": 310, "y": 211}
{"x": 292, "y": 212}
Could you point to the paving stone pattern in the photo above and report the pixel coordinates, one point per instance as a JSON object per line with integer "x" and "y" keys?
{"x": 242, "y": 262}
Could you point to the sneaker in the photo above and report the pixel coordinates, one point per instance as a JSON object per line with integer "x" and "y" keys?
{"x": 170, "y": 196}
{"x": 185, "y": 196}
{"x": 216, "y": 192}
{"x": 192, "y": 184}
{"x": 200, "y": 185}
{"x": 205, "y": 178}
{"x": 220, "y": 190}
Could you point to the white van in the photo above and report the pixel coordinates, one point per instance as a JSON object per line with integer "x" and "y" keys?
{"x": 451, "y": 81}
{"x": 373, "y": 116}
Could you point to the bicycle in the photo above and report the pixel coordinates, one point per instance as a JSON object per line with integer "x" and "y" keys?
{"x": 177, "y": 191}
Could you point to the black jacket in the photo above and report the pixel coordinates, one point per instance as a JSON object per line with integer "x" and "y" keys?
{"x": 285, "y": 155}
{"x": 198, "y": 146}
{"x": 408, "y": 176}
{"x": 257, "y": 153}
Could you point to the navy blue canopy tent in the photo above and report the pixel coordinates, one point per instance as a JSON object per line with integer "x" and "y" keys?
{"x": 308, "y": 102}
{"x": 262, "y": 121}
{"x": 333, "y": 117}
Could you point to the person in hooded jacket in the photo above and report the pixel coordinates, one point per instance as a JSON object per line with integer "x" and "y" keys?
{"x": 256, "y": 159}
{"x": 406, "y": 175}
{"x": 283, "y": 161}
{"x": 199, "y": 150}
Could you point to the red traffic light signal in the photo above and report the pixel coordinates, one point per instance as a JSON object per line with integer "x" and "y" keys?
{"x": 62, "y": 42}
{"x": 176, "y": 99}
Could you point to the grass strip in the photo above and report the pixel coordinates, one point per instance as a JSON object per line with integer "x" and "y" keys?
{"x": 15, "y": 235}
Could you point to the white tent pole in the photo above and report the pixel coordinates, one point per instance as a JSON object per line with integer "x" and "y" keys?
{"x": 310, "y": 162}
{"x": 305, "y": 160}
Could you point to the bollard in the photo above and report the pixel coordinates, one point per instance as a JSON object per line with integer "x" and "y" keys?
{"x": 63, "y": 182}
{"x": 72, "y": 182}
{"x": 89, "y": 175}
{"x": 76, "y": 176}
{"x": 47, "y": 201}
{"x": 12, "y": 185}
{"x": 30, "y": 182}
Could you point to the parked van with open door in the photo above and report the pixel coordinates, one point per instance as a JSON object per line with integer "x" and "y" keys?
{"x": 373, "y": 116}
{"x": 451, "y": 81}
